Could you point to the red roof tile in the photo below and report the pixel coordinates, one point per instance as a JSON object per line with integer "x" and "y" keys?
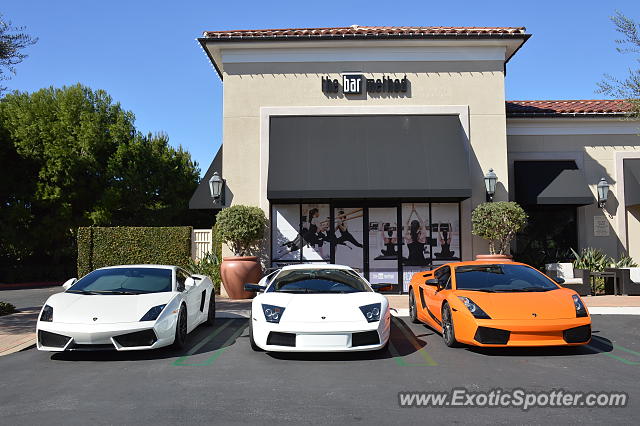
{"x": 567, "y": 107}
{"x": 356, "y": 31}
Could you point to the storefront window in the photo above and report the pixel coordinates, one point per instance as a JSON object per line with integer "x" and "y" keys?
{"x": 316, "y": 232}
{"x": 383, "y": 245}
{"x": 349, "y": 237}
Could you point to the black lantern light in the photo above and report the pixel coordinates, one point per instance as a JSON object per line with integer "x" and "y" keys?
{"x": 603, "y": 192}
{"x": 216, "y": 187}
{"x": 490, "y": 180}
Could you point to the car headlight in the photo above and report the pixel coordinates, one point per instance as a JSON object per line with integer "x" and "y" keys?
{"x": 371, "y": 312}
{"x": 47, "y": 314}
{"x": 272, "y": 313}
{"x": 475, "y": 310}
{"x": 153, "y": 313}
{"x": 581, "y": 310}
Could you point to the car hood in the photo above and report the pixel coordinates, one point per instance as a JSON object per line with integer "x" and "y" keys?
{"x": 554, "y": 304}
{"x": 83, "y": 308}
{"x": 313, "y": 307}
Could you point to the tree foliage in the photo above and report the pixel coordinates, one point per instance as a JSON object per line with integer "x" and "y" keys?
{"x": 72, "y": 157}
{"x": 627, "y": 88}
{"x": 13, "y": 41}
{"x": 498, "y": 223}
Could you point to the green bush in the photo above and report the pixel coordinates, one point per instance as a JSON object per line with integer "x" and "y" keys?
{"x": 498, "y": 223}
{"x": 591, "y": 259}
{"x": 209, "y": 265}
{"x": 625, "y": 262}
{"x": 99, "y": 247}
{"x": 6, "y": 308}
{"x": 241, "y": 228}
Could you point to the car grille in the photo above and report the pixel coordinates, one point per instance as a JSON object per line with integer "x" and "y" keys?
{"x": 577, "y": 334}
{"x": 138, "y": 338}
{"x": 277, "y": 338}
{"x": 365, "y": 338}
{"x": 91, "y": 347}
{"x": 52, "y": 340}
{"x": 492, "y": 336}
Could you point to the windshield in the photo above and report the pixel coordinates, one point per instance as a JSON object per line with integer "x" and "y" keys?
{"x": 319, "y": 281}
{"x": 124, "y": 281}
{"x": 501, "y": 278}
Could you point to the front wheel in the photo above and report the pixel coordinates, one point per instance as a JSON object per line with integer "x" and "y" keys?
{"x": 211, "y": 315}
{"x": 181, "y": 329}
{"x": 413, "y": 314}
{"x": 448, "y": 331}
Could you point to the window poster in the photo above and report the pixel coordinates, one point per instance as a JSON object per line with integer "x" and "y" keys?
{"x": 349, "y": 237}
{"x": 316, "y": 232}
{"x": 286, "y": 241}
{"x": 383, "y": 245}
{"x": 445, "y": 230}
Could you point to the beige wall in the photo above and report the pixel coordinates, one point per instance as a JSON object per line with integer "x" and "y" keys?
{"x": 595, "y": 155}
{"x": 479, "y": 85}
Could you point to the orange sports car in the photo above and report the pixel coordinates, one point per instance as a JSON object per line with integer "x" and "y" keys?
{"x": 485, "y": 303}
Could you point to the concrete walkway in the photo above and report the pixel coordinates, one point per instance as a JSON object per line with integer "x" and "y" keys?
{"x": 18, "y": 331}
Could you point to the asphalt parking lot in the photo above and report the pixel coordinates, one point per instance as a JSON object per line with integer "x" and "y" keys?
{"x": 219, "y": 379}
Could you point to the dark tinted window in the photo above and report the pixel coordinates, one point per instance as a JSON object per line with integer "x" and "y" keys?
{"x": 501, "y": 278}
{"x": 124, "y": 281}
{"x": 318, "y": 281}
{"x": 443, "y": 275}
{"x": 181, "y": 278}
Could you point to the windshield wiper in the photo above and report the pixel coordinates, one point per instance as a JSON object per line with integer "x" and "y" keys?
{"x": 300, "y": 290}
{"x": 522, "y": 290}
{"x": 83, "y": 292}
{"x": 485, "y": 290}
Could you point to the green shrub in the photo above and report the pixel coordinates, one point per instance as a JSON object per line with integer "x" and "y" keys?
{"x": 241, "y": 228}
{"x": 99, "y": 247}
{"x": 209, "y": 265}
{"x": 591, "y": 259}
{"x": 625, "y": 262}
{"x": 6, "y": 308}
{"x": 498, "y": 223}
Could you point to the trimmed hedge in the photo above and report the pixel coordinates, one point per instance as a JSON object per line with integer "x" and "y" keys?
{"x": 99, "y": 247}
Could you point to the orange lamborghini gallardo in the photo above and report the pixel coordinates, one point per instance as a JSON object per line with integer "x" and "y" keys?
{"x": 485, "y": 303}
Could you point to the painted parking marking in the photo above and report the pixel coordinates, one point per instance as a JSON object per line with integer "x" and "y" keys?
{"x": 428, "y": 360}
{"x": 181, "y": 361}
{"x": 616, "y": 357}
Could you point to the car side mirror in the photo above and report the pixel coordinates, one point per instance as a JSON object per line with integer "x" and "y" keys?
{"x": 189, "y": 283}
{"x": 68, "y": 283}
{"x": 433, "y": 281}
{"x": 383, "y": 287}
{"x": 558, "y": 280}
{"x": 254, "y": 287}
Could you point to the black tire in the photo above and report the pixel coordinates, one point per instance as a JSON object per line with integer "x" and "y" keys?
{"x": 211, "y": 315}
{"x": 181, "y": 329}
{"x": 413, "y": 313}
{"x": 448, "y": 330}
{"x": 251, "y": 341}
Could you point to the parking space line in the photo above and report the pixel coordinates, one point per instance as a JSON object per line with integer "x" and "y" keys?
{"x": 429, "y": 362}
{"x": 216, "y": 353}
{"x": 619, "y": 358}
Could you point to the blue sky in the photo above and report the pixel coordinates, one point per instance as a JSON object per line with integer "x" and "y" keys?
{"x": 145, "y": 55}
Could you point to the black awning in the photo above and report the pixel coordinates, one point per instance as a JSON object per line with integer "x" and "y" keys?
{"x": 631, "y": 181}
{"x": 368, "y": 156}
{"x": 551, "y": 182}
{"x": 201, "y": 198}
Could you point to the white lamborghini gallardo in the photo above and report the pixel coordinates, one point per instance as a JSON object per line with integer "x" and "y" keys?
{"x": 132, "y": 307}
{"x": 317, "y": 308}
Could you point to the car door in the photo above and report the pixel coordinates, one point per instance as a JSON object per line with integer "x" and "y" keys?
{"x": 192, "y": 298}
{"x": 435, "y": 295}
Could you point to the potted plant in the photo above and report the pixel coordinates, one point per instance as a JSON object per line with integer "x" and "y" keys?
{"x": 241, "y": 228}
{"x": 497, "y": 223}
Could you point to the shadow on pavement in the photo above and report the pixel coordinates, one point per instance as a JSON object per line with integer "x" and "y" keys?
{"x": 597, "y": 345}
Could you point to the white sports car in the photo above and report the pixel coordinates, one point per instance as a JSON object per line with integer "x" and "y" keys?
{"x": 130, "y": 307}
{"x": 317, "y": 308}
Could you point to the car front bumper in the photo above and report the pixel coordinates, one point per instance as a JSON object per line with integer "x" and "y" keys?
{"x": 321, "y": 336}
{"x": 87, "y": 337}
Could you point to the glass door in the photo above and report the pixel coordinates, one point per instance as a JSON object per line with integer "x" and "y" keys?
{"x": 383, "y": 245}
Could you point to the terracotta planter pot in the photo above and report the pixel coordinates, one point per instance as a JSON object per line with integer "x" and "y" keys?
{"x": 236, "y": 272}
{"x": 495, "y": 257}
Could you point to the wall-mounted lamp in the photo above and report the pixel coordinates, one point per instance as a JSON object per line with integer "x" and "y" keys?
{"x": 603, "y": 192}
{"x": 216, "y": 188}
{"x": 490, "y": 180}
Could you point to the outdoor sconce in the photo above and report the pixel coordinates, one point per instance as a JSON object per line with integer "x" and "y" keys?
{"x": 216, "y": 187}
{"x": 490, "y": 180}
{"x": 603, "y": 192}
